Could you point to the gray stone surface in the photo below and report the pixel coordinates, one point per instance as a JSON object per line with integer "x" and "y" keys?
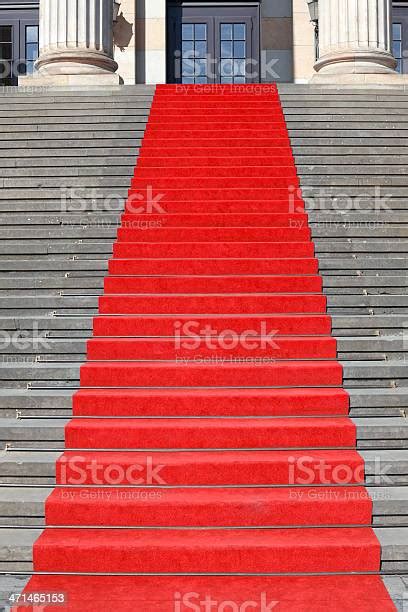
{"x": 364, "y": 271}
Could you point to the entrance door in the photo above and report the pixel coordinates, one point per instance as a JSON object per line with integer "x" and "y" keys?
{"x": 400, "y": 37}
{"x": 18, "y": 44}
{"x": 212, "y": 44}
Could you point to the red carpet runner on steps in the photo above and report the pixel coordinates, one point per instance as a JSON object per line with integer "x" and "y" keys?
{"x": 194, "y": 449}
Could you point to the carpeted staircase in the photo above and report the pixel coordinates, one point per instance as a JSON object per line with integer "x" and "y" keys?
{"x": 211, "y": 450}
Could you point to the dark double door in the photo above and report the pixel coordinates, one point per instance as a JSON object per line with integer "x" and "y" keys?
{"x": 18, "y": 43}
{"x": 212, "y": 44}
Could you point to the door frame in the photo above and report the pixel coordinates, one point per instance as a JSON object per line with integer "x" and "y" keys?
{"x": 220, "y": 7}
{"x": 400, "y": 15}
{"x": 18, "y": 18}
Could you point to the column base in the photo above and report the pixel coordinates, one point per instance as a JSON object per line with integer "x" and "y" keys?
{"x": 356, "y": 63}
{"x": 106, "y": 79}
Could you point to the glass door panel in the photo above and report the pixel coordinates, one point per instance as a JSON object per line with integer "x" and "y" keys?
{"x": 194, "y": 53}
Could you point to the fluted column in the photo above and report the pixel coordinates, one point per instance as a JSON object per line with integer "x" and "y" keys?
{"x": 76, "y": 41}
{"x": 355, "y": 37}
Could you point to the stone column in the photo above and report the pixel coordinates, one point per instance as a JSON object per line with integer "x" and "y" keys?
{"x": 76, "y": 43}
{"x": 355, "y": 39}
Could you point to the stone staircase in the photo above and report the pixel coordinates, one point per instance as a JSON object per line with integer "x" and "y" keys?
{"x": 66, "y": 163}
{"x": 351, "y": 155}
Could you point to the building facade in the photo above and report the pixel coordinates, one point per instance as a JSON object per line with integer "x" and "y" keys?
{"x": 159, "y": 41}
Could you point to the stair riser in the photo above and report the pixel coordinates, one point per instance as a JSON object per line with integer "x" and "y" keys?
{"x": 278, "y": 374}
{"x": 232, "y": 346}
{"x": 130, "y": 507}
{"x": 165, "y": 326}
{"x": 280, "y": 433}
{"x": 171, "y": 304}
{"x": 266, "y": 284}
{"x": 284, "y": 250}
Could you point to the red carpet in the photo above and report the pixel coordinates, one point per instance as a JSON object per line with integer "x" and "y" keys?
{"x": 211, "y": 431}
{"x": 181, "y": 594}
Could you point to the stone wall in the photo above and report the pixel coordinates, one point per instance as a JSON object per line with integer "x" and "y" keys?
{"x": 150, "y": 41}
{"x": 303, "y": 42}
{"x": 124, "y": 41}
{"x": 277, "y": 40}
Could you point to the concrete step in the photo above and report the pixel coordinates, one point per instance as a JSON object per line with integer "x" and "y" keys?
{"x": 384, "y": 467}
{"x": 343, "y": 325}
{"x": 365, "y": 374}
{"x": 35, "y": 402}
{"x": 351, "y": 170}
{"x": 38, "y": 94}
{"x": 91, "y": 143}
{"x": 89, "y": 172}
{"x": 17, "y": 556}
{"x": 372, "y": 402}
{"x": 56, "y": 112}
{"x": 375, "y": 374}
{"x": 378, "y": 402}
{"x": 24, "y": 506}
{"x": 394, "y": 548}
{"x": 99, "y": 128}
{"x": 358, "y": 348}
{"x": 353, "y": 161}
{"x": 377, "y": 433}
{"x": 334, "y": 302}
{"x": 10, "y": 585}
{"x": 20, "y": 156}
{"x": 92, "y": 118}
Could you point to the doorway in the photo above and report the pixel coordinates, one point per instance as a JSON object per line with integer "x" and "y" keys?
{"x": 18, "y": 44}
{"x": 212, "y": 44}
